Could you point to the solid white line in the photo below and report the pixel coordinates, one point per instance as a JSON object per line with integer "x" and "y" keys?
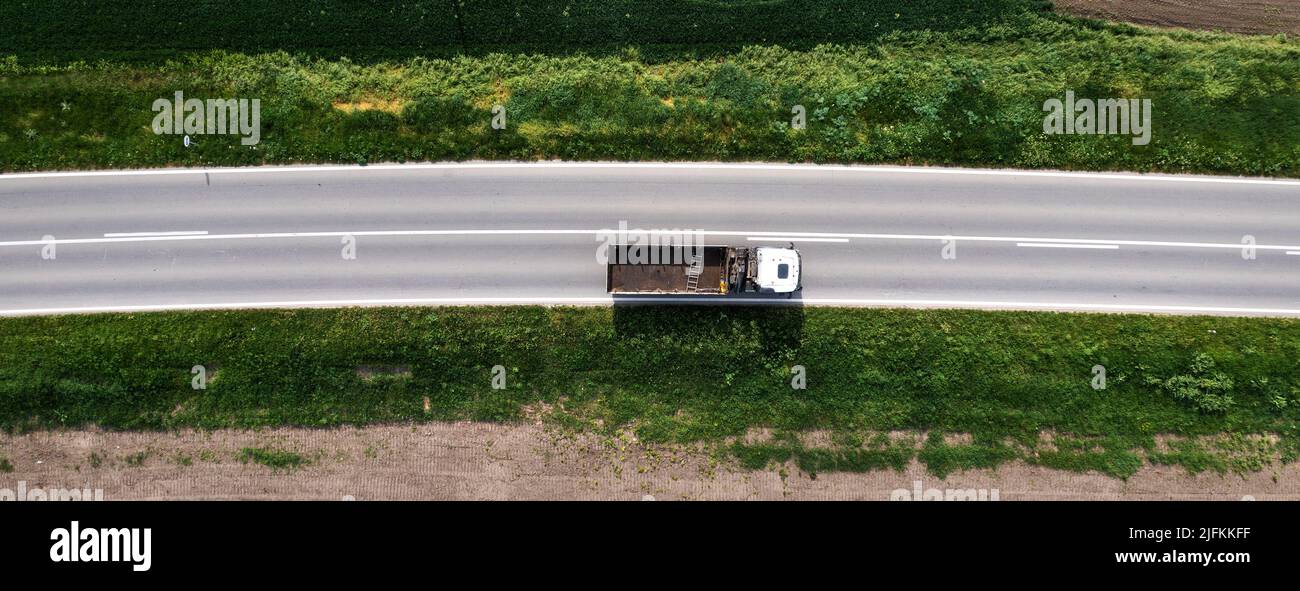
{"x": 1051, "y": 245}
{"x": 653, "y": 165}
{"x": 606, "y": 300}
{"x": 1293, "y": 252}
{"x": 788, "y": 239}
{"x": 134, "y": 234}
{"x": 791, "y": 236}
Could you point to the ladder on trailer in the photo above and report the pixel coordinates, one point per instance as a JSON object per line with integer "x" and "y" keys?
{"x": 693, "y": 273}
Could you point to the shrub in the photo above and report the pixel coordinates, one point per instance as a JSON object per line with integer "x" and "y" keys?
{"x": 1207, "y": 390}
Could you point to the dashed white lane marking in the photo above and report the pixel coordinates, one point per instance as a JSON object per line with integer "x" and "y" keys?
{"x": 790, "y": 239}
{"x": 138, "y": 234}
{"x": 1066, "y": 245}
{"x": 606, "y": 300}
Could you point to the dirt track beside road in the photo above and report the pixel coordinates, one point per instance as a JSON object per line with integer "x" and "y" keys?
{"x": 489, "y": 461}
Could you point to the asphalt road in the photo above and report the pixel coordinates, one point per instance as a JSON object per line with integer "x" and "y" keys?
{"x": 480, "y": 233}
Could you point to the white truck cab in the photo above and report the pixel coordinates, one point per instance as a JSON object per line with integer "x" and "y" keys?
{"x": 778, "y": 269}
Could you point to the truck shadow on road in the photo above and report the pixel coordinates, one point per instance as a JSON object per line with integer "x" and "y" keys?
{"x": 780, "y": 327}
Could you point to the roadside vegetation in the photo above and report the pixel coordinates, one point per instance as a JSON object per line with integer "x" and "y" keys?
{"x": 955, "y": 82}
{"x": 275, "y": 459}
{"x": 982, "y": 387}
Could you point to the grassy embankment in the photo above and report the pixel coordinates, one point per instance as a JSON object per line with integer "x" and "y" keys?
{"x": 1207, "y": 393}
{"x": 944, "y": 82}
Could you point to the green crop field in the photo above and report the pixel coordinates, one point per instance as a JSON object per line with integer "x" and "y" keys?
{"x": 134, "y": 29}
{"x": 1225, "y": 388}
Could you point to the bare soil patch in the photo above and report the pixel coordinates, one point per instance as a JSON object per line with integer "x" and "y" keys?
{"x": 489, "y": 461}
{"x": 1234, "y": 16}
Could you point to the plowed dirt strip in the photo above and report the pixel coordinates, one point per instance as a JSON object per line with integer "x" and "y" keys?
{"x": 1234, "y": 16}
{"x": 489, "y": 461}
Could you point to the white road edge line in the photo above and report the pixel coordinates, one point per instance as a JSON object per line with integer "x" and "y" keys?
{"x": 789, "y": 239}
{"x": 606, "y": 300}
{"x": 669, "y": 165}
{"x": 1057, "y": 245}
{"x": 137, "y": 234}
{"x": 792, "y": 236}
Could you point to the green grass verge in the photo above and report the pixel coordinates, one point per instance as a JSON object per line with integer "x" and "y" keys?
{"x": 941, "y": 458}
{"x": 968, "y": 93}
{"x": 276, "y": 459}
{"x": 694, "y": 374}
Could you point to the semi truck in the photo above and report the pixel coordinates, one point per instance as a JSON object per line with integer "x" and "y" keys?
{"x": 715, "y": 270}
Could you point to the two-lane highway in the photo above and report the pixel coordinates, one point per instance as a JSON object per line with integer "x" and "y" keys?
{"x": 520, "y": 233}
